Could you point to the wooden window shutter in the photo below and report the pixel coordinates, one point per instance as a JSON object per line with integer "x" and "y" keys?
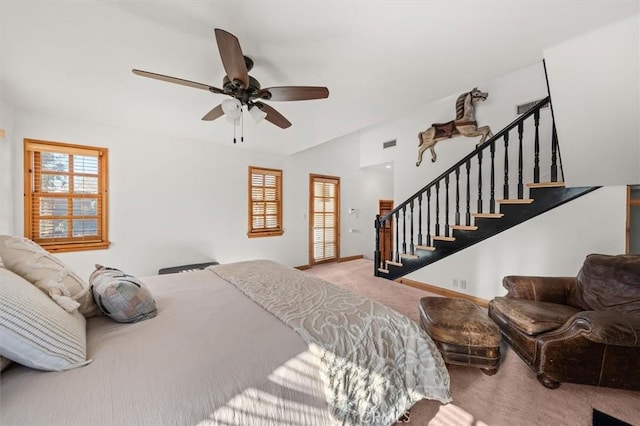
{"x": 65, "y": 195}
{"x": 265, "y": 202}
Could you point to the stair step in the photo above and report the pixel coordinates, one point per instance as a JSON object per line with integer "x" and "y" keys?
{"x": 488, "y": 215}
{"x": 545, "y": 185}
{"x": 409, "y": 256}
{"x": 429, "y": 248}
{"x": 390, "y": 262}
{"x": 441, "y": 238}
{"x": 465, "y": 227}
{"x": 516, "y": 201}
{"x": 384, "y": 271}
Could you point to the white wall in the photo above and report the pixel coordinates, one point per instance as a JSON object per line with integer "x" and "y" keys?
{"x": 595, "y": 86}
{"x": 171, "y": 201}
{"x": 360, "y": 189}
{"x": 7, "y": 115}
{"x": 552, "y": 244}
{"x": 497, "y": 111}
{"x": 175, "y": 201}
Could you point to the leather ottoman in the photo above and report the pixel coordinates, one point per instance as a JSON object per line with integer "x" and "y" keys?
{"x": 463, "y": 332}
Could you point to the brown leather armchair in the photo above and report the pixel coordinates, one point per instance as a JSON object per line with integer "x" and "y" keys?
{"x": 583, "y": 329}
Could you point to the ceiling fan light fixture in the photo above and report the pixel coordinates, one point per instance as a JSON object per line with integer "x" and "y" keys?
{"x": 232, "y": 108}
{"x": 257, "y": 114}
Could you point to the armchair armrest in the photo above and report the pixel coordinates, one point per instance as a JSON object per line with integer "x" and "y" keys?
{"x": 610, "y": 327}
{"x": 541, "y": 289}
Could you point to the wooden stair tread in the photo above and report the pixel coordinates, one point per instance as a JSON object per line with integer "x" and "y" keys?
{"x": 429, "y": 248}
{"x": 546, "y": 185}
{"x": 442, "y": 238}
{"x": 465, "y": 227}
{"x": 516, "y": 201}
{"x": 488, "y": 215}
{"x": 390, "y": 262}
{"x": 409, "y": 256}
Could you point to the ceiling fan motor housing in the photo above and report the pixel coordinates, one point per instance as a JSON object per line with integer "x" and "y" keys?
{"x": 240, "y": 93}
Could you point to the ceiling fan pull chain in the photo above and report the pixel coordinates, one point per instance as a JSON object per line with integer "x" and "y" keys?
{"x": 242, "y": 124}
{"x": 234, "y": 131}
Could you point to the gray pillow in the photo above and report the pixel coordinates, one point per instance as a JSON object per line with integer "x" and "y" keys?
{"x": 37, "y": 332}
{"x": 120, "y": 296}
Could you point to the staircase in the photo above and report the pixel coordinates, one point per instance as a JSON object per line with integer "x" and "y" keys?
{"x": 438, "y": 220}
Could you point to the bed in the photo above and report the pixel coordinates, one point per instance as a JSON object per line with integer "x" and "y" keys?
{"x": 248, "y": 343}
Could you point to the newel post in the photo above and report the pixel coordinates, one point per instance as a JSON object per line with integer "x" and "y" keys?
{"x": 376, "y": 253}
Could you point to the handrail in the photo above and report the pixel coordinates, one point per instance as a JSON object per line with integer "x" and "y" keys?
{"x": 472, "y": 154}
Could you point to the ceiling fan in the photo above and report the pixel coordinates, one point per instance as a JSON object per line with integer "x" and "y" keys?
{"x": 242, "y": 88}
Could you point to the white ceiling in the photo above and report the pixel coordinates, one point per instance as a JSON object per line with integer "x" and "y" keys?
{"x": 378, "y": 58}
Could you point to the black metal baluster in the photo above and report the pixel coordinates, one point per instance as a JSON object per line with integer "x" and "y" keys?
{"x": 429, "y": 216}
{"x": 492, "y": 200}
{"x": 420, "y": 219}
{"x": 412, "y": 247}
{"x": 458, "y": 196}
{"x": 388, "y": 244}
{"x": 446, "y": 206}
{"x": 468, "y": 213}
{"x": 479, "y": 181}
{"x": 506, "y": 167}
{"x": 404, "y": 229}
{"x": 536, "y": 161}
{"x": 376, "y": 253}
{"x": 520, "y": 186}
{"x": 554, "y": 154}
{"x": 397, "y": 236}
{"x": 437, "y": 208}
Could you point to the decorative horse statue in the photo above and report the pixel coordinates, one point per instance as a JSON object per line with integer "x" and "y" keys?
{"x": 465, "y": 124}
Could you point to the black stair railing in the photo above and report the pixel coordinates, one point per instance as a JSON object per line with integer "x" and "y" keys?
{"x": 438, "y": 191}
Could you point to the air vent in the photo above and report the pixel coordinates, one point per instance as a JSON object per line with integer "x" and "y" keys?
{"x": 522, "y": 108}
{"x": 388, "y": 144}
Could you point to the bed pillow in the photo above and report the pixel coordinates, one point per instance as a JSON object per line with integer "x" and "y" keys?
{"x": 120, "y": 296}
{"x": 33, "y": 263}
{"x": 37, "y": 332}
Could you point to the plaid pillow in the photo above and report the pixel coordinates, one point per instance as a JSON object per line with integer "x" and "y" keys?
{"x": 120, "y": 296}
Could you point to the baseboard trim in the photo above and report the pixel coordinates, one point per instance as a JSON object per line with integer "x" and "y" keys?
{"x": 349, "y": 258}
{"x": 340, "y": 260}
{"x": 442, "y": 291}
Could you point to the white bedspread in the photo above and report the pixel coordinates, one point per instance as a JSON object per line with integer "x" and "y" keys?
{"x": 211, "y": 356}
{"x": 374, "y": 362}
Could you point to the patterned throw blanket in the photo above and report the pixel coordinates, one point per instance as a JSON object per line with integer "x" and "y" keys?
{"x": 374, "y": 362}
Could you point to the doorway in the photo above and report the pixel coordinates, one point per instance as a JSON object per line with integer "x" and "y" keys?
{"x": 324, "y": 219}
{"x": 385, "y": 233}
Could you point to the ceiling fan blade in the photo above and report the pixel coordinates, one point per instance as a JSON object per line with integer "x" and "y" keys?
{"x": 217, "y": 112}
{"x": 177, "y": 81}
{"x": 293, "y": 93}
{"x": 232, "y": 57}
{"x": 273, "y": 116}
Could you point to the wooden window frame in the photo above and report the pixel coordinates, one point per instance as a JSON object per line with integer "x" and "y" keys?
{"x": 32, "y": 150}
{"x": 264, "y": 232}
{"x": 335, "y": 180}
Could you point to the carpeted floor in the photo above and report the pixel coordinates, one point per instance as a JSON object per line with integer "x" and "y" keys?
{"x": 511, "y": 397}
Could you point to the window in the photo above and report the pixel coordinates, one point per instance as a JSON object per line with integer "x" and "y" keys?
{"x": 265, "y": 202}
{"x": 65, "y": 207}
{"x": 324, "y": 212}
